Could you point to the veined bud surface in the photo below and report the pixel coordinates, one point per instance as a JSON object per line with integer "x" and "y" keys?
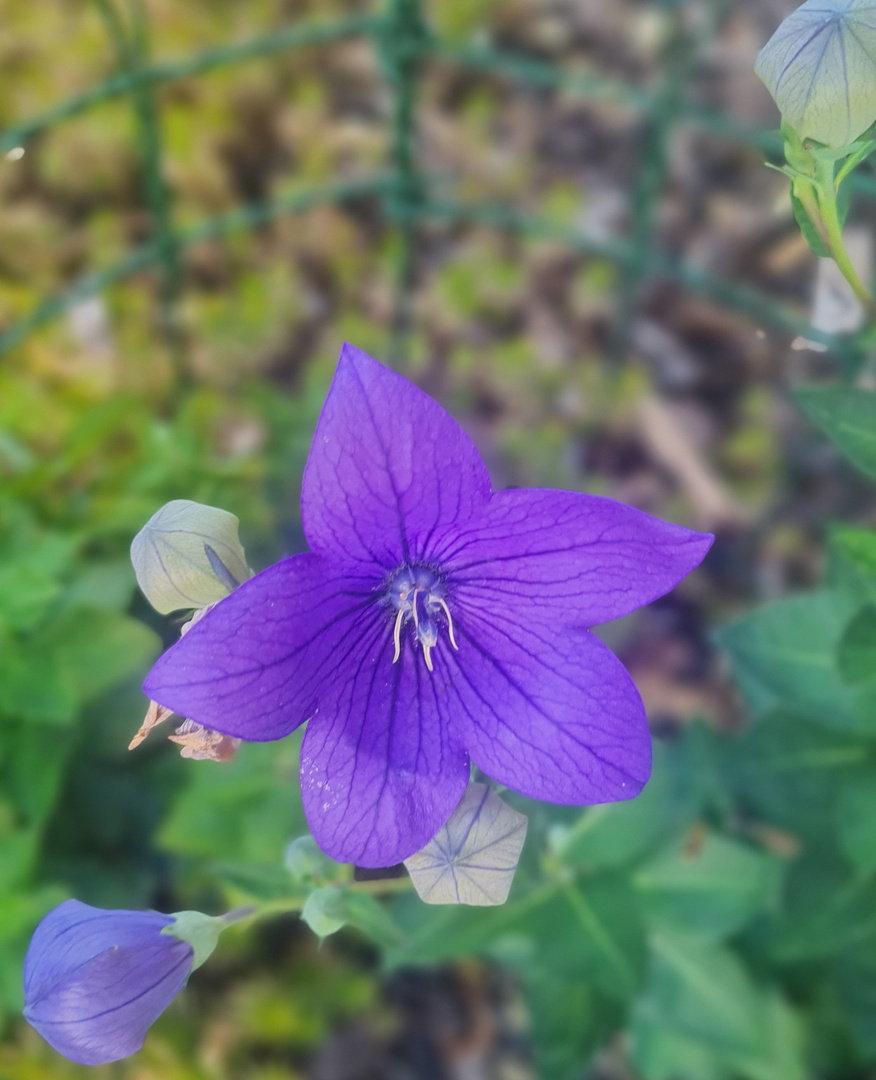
{"x": 473, "y": 858}
{"x": 819, "y": 67}
{"x": 95, "y": 980}
{"x": 188, "y": 555}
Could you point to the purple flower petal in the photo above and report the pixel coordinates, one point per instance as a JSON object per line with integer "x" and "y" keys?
{"x": 568, "y": 558}
{"x": 388, "y": 468}
{"x": 381, "y": 767}
{"x": 414, "y": 558}
{"x": 256, "y": 665}
{"x": 554, "y": 715}
{"x": 95, "y": 980}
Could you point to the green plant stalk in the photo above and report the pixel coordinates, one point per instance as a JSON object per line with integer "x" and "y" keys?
{"x": 833, "y": 232}
{"x": 401, "y": 46}
{"x": 131, "y": 43}
{"x": 806, "y": 193}
{"x": 853, "y": 161}
{"x": 293, "y": 905}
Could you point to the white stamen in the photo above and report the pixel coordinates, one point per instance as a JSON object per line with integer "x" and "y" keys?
{"x": 449, "y": 625}
{"x": 396, "y": 636}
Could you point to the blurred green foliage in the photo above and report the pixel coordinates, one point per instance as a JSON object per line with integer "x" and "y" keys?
{"x": 725, "y": 920}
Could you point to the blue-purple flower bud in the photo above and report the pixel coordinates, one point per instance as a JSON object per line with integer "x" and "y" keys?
{"x": 95, "y": 980}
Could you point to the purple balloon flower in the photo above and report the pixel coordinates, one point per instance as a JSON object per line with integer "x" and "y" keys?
{"x": 433, "y": 622}
{"x": 95, "y": 980}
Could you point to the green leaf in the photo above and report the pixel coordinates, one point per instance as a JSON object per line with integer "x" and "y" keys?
{"x": 827, "y": 909}
{"x": 781, "y": 1054}
{"x": 330, "y": 908}
{"x": 704, "y": 1016}
{"x": 702, "y": 991}
{"x": 661, "y": 1052}
{"x": 854, "y": 979}
{"x": 107, "y": 585}
{"x": 48, "y": 675}
{"x": 101, "y": 648}
{"x": 325, "y": 911}
{"x": 847, "y": 416}
{"x": 787, "y": 771}
{"x": 241, "y": 812}
{"x": 30, "y": 579}
{"x": 306, "y": 862}
{"x": 856, "y": 818}
{"x": 33, "y": 758}
{"x": 856, "y": 655}
{"x": 785, "y": 654}
{"x": 593, "y": 931}
{"x": 570, "y": 1020}
{"x": 247, "y": 884}
{"x": 35, "y": 682}
{"x": 851, "y": 564}
{"x": 614, "y": 834}
{"x": 714, "y": 890}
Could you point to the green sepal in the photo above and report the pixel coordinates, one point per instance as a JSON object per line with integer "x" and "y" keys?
{"x": 198, "y": 930}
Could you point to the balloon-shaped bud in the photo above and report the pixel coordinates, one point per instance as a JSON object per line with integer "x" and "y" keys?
{"x": 820, "y": 66}
{"x": 473, "y": 858}
{"x": 95, "y": 980}
{"x": 188, "y": 555}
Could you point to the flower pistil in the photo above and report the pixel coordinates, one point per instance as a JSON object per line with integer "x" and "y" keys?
{"x": 417, "y": 593}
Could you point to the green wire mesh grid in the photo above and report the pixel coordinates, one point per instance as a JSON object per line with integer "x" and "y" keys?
{"x": 403, "y": 42}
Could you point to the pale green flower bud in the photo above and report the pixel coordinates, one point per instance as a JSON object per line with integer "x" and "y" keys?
{"x": 820, "y": 67}
{"x": 188, "y": 555}
{"x": 473, "y": 858}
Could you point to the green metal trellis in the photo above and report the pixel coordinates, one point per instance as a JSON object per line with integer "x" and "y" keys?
{"x": 404, "y": 42}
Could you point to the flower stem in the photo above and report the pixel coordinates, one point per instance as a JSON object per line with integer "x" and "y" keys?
{"x": 294, "y": 904}
{"x": 806, "y": 193}
{"x": 833, "y": 238}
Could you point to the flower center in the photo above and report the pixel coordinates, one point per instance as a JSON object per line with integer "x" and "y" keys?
{"x": 417, "y": 593}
